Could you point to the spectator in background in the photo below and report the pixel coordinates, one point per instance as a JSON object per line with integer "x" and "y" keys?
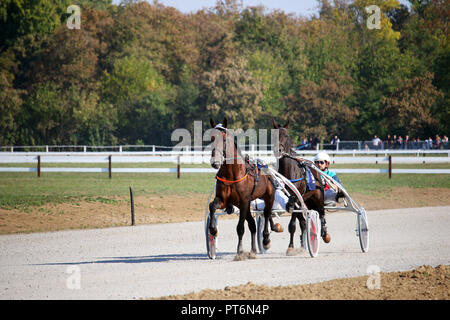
{"x": 394, "y": 142}
{"x": 429, "y": 143}
{"x": 376, "y": 142}
{"x": 445, "y": 142}
{"x": 415, "y": 143}
{"x": 388, "y": 142}
{"x": 437, "y": 142}
{"x": 399, "y": 142}
{"x": 420, "y": 144}
{"x": 406, "y": 142}
{"x": 304, "y": 141}
{"x": 335, "y": 142}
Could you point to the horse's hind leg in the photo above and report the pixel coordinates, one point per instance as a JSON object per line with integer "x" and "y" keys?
{"x": 324, "y": 233}
{"x": 240, "y": 228}
{"x": 213, "y": 206}
{"x": 266, "y": 233}
{"x": 291, "y": 228}
{"x": 316, "y": 201}
{"x": 278, "y": 228}
{"x": 302, "y": 222}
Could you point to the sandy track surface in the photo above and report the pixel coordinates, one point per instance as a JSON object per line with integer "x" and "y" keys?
{"x": 167, "y": 259}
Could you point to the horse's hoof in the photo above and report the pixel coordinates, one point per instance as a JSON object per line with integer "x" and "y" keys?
{"x": 326, "y": 238}
{"x": 277, "y": 228}
{"x": 240, "y": 257}
{"x": 290, "y": 252}
{"x": 266, "y": 245}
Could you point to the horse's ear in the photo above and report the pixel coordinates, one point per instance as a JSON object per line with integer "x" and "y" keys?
{"x": 275, "y": 124}
{"x": 225, "y": 122}
{"x": 212, "y": 122}
{"x": 286, "y": 126}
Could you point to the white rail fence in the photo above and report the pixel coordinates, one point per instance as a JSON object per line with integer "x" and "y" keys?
{"x": 203, "y": 157}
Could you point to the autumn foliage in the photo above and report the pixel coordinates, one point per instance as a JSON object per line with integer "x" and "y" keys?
{"x": 134, "y": 72}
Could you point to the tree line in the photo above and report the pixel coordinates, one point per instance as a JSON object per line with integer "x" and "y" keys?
{"x": 136, "y": 71}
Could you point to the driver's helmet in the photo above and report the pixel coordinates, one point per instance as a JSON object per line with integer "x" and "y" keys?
{"x": 322, "y": 156}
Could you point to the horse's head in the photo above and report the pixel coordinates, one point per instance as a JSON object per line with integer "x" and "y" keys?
{"x": 284, "y": 141}
{"x": 220, "y": 138}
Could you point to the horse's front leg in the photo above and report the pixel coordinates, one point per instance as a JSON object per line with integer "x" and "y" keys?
{"x": 252, "y": 227}
{"x": 217, "y": 203}
{"x": 302, "y": 222}
{"x": 240, "y": 227}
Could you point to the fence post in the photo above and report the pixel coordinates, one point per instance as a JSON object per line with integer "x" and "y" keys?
{"x": 179, "y": 167}
{"x": 132, "y": 206}
{"x": 390, "y": 167}
{"x": 39, "y": 166}
{"x": 110, "y": 167}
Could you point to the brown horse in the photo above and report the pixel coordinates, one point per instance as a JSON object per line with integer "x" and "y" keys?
{"x": 238, "y": 183}
{"x": 295, "y": 169}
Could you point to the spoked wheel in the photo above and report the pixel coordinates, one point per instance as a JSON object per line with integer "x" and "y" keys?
{"x": 260, "y": 222}
{"x": 211, "y": 241}
{"x": 313, "y": 232}
{"x": 363, "y": 230}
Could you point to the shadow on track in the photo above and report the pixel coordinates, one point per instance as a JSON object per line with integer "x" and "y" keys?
{"x": 138, "y": 259}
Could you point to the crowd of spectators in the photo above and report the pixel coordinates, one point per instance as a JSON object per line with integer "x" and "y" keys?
{"x": 398, "y": 143}
{"x": 395, "y": 142}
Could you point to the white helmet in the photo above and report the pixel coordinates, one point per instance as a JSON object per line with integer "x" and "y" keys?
{"x": 322, "y": 156}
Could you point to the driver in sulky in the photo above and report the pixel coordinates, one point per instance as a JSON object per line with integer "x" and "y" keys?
{"x": 331, "y": 191}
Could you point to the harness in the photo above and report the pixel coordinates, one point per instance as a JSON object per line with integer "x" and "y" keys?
{"x": 248, "y": 170}
{"x": 252, "y": 167}
{"x": 231, "y": 182}
{"x": 309, "y": 177}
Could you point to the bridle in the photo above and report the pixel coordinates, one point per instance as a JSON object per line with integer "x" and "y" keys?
{"x": 225, "y": 159}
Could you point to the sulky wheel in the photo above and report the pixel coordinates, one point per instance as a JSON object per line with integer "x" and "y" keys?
{"x": 313, "y": 232}
{"x": 363, "y": 230}
{"x": 211, "y": 241}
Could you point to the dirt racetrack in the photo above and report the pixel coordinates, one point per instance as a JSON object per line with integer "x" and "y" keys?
{"x": 174, "y": 208}
{"x": 159, "y": 260}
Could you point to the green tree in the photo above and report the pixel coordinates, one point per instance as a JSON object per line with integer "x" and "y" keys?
{"x": 234, "y": 93}
{"x": 274, "y": 76}
{"x": 10, "y": 108}
{"x": 409, "y": 109}
{"x": 140, "y": 96}
{"x": 323, "y": 110}
{"x": 22, "y": 17}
